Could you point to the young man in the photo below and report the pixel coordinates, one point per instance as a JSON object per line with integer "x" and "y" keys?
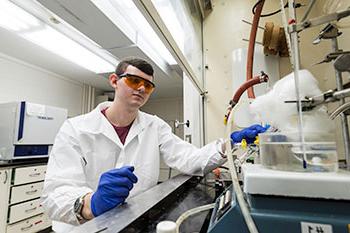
{"x": 100, "y": 158}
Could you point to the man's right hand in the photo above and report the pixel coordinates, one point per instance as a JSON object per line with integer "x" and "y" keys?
{"x": 113, "y": 189}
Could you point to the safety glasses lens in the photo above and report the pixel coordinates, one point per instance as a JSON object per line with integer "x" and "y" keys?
{"x": 135, "y": 82}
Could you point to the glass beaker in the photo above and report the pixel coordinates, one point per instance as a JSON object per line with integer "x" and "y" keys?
{"x": 284, "y": 151}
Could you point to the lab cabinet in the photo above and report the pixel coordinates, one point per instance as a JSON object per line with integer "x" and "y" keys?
{"x": 30, "y": 225}
{"x": 26, "y": 192}
{"x": 5, "y": 181}
{"x": 20, "y": 191}
{"x": 31, "y": 174}
{"x": 24, "y": 210}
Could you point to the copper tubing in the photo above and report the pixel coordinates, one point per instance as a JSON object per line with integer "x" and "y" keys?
{"x": 256, "y": 80}
{"x": 251, "y": 46}
{"x": 248, "y": 84}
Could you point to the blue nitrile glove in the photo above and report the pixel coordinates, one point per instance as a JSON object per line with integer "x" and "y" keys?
{"x": 113, "y": 189}
{"x": 249, "y": 134}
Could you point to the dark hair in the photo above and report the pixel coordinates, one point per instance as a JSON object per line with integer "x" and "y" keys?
{"x": 139, "y": 63}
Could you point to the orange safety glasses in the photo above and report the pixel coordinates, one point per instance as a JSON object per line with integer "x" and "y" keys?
{"x": 135, "y": 82}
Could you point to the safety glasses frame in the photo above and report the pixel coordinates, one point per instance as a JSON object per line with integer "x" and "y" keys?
{"x": 126, "y": 75}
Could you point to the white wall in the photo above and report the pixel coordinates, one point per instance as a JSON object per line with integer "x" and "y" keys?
{"x": 22, "y": 81}
{"x": 167, "y": 109}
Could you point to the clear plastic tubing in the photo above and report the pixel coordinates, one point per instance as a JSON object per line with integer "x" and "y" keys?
{"x": 192, "y": 212}
{"x": 236, "y": 187}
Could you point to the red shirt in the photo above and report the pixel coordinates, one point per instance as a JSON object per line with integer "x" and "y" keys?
{"x": 121, "y": 131}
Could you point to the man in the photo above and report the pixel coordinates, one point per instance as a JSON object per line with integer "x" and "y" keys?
{"x": 100, "y": 158}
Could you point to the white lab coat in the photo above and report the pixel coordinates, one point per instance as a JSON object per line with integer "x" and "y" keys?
{"x": 87, "y": 145}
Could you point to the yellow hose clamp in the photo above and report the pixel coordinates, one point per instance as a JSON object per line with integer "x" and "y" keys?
{"x": 244, "y": 144}
{"x": 256, "y": 142}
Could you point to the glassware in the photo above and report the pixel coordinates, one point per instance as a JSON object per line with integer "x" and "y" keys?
{"x": 284, "y": 151}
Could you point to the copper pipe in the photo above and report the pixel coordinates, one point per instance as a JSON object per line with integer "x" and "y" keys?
{"x": 248, "y": 84}
{"x": 251, "y": 46}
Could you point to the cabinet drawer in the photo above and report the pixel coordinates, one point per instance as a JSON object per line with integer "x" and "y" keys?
{"x": 30, "y": 225}
{"x": 25, "y": 175}
{"x": 25, "y": 210}
{"x": 26, "y": 192}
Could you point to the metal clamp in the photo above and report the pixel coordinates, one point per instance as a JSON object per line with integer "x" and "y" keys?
{"x": 329, "y": 96}
{"x": 332, "y": 56}
{"x": 342, "y": 63}
{"x": 328, "y": 32}
{"x": 336, "y": 16}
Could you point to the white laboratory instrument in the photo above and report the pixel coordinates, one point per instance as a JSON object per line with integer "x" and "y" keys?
{"x": 28, "y": 130}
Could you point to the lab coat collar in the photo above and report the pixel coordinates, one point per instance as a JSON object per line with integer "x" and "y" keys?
{"x": 96, "y": 123}
{"x": 136, "y": 128}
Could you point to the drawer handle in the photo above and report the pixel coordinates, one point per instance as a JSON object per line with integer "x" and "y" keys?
{"x": 6, "y": 176}
{"x": 27, "y": 228}
{"x": 31, "y": 209}
{"x": 31, "y": 192}
{"x": 35, "y": 174}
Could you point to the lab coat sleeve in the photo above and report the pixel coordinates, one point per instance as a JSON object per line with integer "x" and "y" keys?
{"x": 186, "y": 157}
{"x": 65, "y": 179}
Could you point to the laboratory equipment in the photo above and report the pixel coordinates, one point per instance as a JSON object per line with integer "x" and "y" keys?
{"x": 342, "y": 63}
{"x": 283, "y": 199}
{"x": 288, "y": 202}
{"x": 248, "y": 84}
{"x": 297, "y": 187}
{"x": 166, "y": 227}
{"x": 282, "y": 151}
{"x": 28, "y": 130}
{"x": 268, "y": 64}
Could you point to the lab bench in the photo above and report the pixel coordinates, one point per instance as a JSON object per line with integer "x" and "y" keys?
{"x": 21, "y": 184}
{"x": 166, "y": 201}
